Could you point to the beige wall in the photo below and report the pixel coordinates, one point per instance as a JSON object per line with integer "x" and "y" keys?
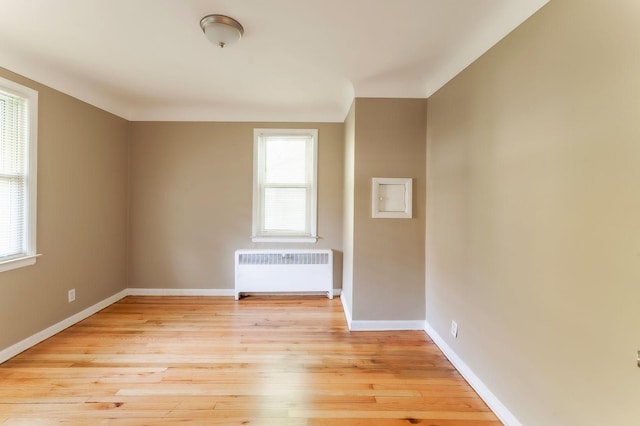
{"x": 388, "y": 254}
{"x": 82, "y": 208}
{"x": 191, "y": 200}
{"x": 533, "y": 241}
{"x": 348, "y": 210}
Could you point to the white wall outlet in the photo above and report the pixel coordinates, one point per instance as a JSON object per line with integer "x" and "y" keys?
{"x": 72, "y": 295}
{"x": 454, "y": 329}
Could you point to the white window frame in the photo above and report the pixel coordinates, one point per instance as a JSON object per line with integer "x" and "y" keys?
{"x": 31, "y": 97}
{"x": 258, "y": 233}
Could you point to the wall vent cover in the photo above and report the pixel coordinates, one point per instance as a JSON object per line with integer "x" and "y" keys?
{"x": 284, "y": 259}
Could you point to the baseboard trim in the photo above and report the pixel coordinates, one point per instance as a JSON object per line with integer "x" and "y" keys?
{"x": 358, "y": 325}
{"x": 220, "y": 292}
{"x": 33, "y": 340}
{"x": 483, "y": 391}
{"x": 345, "y": 309}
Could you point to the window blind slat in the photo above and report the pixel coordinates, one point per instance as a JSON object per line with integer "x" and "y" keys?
{"x": 285, "y": 209}
{"x": 13, "y": 176}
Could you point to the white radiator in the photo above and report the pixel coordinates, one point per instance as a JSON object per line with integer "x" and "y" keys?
{"x": 274, "y": 271}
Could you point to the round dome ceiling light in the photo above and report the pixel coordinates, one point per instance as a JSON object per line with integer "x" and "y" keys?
{"x": 221, "y": 30}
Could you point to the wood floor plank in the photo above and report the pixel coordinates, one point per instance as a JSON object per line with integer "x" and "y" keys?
{"x": 216, "y": 361}
{"x": 397, "y": 422}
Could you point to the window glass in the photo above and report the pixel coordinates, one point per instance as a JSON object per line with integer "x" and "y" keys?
{"x": 18, "y": 120}
{"x": 284, "y": 198}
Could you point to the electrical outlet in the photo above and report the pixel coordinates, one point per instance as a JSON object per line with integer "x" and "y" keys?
{"x": 72, "y": 295}
{"x": 454, "y": 329}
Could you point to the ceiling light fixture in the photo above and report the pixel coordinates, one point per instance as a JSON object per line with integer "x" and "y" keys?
{"x": 221, "y": 30}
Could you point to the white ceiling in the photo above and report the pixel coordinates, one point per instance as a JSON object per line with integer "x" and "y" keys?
{"x": 299, "y": 60}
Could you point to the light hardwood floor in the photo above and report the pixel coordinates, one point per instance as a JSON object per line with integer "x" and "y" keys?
{"x": 215, "y": 361}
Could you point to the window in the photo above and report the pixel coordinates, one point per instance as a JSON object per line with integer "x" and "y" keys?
{"x": 18, "y": 131}
{"x": 284, "y": 185}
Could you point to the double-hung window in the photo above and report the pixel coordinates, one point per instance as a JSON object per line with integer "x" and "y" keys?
{"x": 285, "y": 185}
{"x": 18, "y": 130}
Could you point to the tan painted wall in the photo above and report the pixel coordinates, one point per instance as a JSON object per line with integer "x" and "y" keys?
{"x": 388, "y": 254}
{"x": 191, "y": 200}
{"x": 82, "y": 208}
{"x": 348, "y": 212}
{"x": 533, "y": 242}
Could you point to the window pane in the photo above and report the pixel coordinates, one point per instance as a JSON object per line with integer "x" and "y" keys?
{"x": 18, "y": 144}
{"x": 285, "y": 209}
{"x": 284, "y": 192}
{"x": 12, "y": 134}
{"x": 12, "y": 176}
{"x": 12, "y": 220}
{"x": 286, "y": 160}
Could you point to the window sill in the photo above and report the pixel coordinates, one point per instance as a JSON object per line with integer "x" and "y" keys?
{"x": 281, "y": 239}
{"x": 20, "y": 262}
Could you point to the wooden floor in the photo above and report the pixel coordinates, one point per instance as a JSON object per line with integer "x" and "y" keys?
{"x": 215, "y": 361}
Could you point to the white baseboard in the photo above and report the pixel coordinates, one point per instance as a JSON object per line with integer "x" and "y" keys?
{"x": 345, "y": 309}
{"x": 220, "y": 292}
{"x": 180, "y": 292}
{"x": 33, "y": 340}
{"x": 359, "y": 325}
{"x": 492, "y": 401}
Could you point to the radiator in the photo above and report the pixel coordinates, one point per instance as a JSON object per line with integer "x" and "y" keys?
{"x": 290, "y": 271}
